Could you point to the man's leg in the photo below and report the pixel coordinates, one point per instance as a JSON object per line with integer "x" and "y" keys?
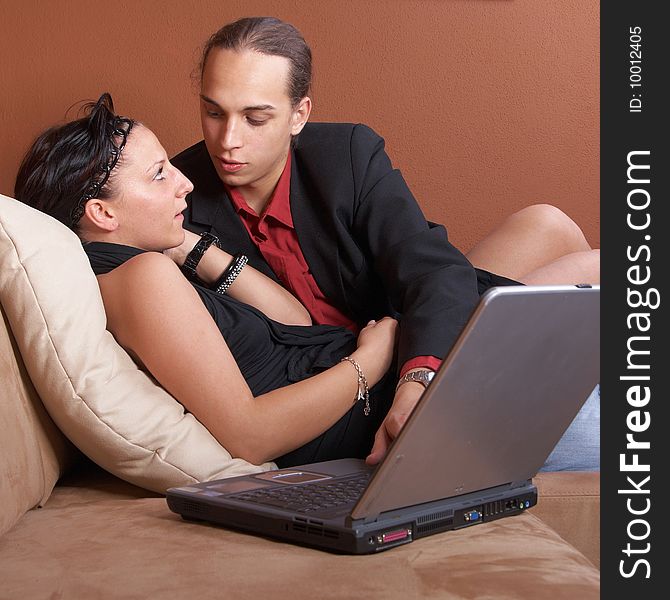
{"x": 579, "y": 448}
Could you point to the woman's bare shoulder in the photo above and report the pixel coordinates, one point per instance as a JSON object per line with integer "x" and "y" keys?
{"x": 147, "y": 275}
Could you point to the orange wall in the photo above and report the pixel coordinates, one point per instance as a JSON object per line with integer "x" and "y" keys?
{"x": 486, "y": 105}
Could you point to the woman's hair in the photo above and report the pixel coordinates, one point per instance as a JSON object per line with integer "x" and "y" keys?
{"x": 267, "y": 35}
{"x": 69, "y": 164}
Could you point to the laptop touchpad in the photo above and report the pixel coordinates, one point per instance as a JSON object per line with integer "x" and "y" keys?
{"x": 292, "y": 477}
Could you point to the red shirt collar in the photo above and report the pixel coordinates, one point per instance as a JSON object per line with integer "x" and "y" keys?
{"x": 279, "y": 206}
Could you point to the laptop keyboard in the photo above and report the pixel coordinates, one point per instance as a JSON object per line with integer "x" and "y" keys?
{"x": 310, "y": 497}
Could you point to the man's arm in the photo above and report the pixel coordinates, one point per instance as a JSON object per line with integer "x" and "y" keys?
{"x": 429, "y": 282}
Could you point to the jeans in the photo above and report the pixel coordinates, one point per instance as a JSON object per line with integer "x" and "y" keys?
{"x": 579, "y": 448}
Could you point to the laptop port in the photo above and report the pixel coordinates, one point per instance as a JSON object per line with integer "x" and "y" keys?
{"x": 394, "y": 536}
{"x": 472, "y": 516}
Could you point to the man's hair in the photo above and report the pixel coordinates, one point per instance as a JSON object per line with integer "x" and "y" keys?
{"x": 271, "y": 36}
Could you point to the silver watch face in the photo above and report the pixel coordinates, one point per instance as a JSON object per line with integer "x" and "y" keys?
{"x": 424, "y": 377}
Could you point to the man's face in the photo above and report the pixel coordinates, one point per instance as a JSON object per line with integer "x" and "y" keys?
{"x": 247, "y": 118}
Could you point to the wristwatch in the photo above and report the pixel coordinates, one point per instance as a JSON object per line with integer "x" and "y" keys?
{"x": 424, "y": 377}
{"x": 194, "y": 256}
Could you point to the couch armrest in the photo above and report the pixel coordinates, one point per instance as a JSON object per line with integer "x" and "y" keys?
{"x": 569, "y": 502}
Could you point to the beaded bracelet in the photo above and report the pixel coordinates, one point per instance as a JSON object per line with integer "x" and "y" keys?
{"x": 222, "y": 284}
{"x": 363, "y": 389}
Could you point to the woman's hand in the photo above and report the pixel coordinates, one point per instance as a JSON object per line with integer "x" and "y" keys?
{"x": 376, "y": 345}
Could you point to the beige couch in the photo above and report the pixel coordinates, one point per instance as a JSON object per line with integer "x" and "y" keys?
{"x": 71, "y": 529}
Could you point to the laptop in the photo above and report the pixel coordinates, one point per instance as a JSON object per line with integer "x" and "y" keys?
{"x": 517, "y": 375}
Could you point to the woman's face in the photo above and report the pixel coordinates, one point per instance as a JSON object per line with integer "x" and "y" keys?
{"x": 149, "y": 195}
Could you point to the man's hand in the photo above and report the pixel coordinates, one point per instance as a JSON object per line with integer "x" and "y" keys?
{"x": 404, "y": 402}
{"x": 179, "y": 253}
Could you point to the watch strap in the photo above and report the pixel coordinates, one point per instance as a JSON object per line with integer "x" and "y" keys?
{"x": 194, "y": 256}
{"x": 424, "y": 377}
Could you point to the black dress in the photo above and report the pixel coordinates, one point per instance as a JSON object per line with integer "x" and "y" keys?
{"x": 271, "y": 355}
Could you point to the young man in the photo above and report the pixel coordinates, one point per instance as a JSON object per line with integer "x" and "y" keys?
{"x": 319, "y": 207}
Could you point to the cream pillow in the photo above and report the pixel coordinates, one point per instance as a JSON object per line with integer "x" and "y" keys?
{"x": 111, "y": 410}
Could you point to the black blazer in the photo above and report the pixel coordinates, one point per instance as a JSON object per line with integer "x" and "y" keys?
{"x": 364, "y": 237}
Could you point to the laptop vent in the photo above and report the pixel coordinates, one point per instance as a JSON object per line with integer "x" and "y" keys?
{"x": 434, "y": 526}
{"x": 315, "y": 530}
{"x": 192, "y": 508}
{"x": 434, "y": 517}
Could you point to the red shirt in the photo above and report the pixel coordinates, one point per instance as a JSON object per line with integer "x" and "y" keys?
{"x": 275, "y": 236}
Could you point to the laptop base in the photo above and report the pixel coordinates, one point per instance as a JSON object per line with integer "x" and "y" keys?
{"x": 341, "y": 535}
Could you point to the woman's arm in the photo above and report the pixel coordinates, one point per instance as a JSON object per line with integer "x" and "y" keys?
{"x": 157, "y": 316}
{"x": 250, "y": 286}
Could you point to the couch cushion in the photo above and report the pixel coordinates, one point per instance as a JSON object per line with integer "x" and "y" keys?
{"x": 137, "y": 548}
{"x": 569, "y": 502}
{"x": 33, "y": 452}
{"x": 113, "y": 411}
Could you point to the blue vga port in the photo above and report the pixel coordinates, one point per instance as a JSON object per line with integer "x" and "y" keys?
{"x": 472, "y": 516}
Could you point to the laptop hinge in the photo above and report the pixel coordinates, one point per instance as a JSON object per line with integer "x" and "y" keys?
{"x": 349, "y": 520}
{"x": 371, "y": 518}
